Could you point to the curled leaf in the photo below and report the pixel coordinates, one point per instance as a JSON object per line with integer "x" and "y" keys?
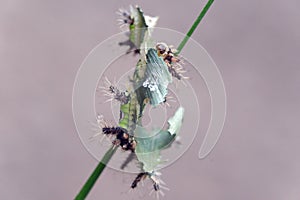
{"x": 150, "y": 143}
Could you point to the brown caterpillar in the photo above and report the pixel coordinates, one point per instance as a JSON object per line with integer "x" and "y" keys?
{"x": 139, "y": 177}
{"x": 122, "y": 138}
{"x": 157, "y": 182}
{"x": 173, "y": 62}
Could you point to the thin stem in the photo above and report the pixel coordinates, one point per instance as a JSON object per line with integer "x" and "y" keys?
{"x": 194, "y": 26}
{"x": 96, "y": 173}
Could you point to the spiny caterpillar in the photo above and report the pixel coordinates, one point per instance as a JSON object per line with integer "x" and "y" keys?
{"x": 157, "y": 183}
{"x": 122, "y": 138}
{"x": 135, "y": 18}
{"x": 126, "y": 17}
{"x": 173, "y": 62}
{"x": 138, "y": 25}
{"x": 113, "y": 92}
{"x": 123, "y": 97}
{"x": 138, "y": 178}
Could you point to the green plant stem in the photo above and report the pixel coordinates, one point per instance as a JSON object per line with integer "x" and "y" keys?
{"x": 194, "y": 26}
{"x": 101, "y": 166}
{"x": 96, "y": 173}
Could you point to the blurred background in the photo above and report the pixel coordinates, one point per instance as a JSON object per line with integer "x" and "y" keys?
{"x": 256, "y": 46}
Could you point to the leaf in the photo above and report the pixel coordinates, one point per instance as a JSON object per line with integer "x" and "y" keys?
{"x": 157, "y": 77}
{"x": 146, "y": 150}
{"x": 175, "y": 122}
{"x": 150, "y": 143}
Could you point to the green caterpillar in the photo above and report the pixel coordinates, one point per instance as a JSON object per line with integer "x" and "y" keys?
{"x": 129, "y": 114}
{"x": 139, "y": 26}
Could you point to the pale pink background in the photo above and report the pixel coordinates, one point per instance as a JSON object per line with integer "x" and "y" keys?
{"x": 256, "y": 46}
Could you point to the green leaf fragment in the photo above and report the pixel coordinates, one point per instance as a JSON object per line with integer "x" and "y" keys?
{"x": 175, "y": 122}
{"x": 150, "y": 143}
{"x": 157, "y": 77}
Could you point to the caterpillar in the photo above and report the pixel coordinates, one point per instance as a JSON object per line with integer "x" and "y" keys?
{"x": 157, "y": 183}
{"x": 171, "y": 59}
{"x": 138, "y": 178}
{"x": 129, "y": 114}
{"x": 123, "y": 97}
{"x": 138, "y": 26}
{"x": 113, "y": 92}
{"x": 126, "y": 17}
{"x": 122, "y": 138}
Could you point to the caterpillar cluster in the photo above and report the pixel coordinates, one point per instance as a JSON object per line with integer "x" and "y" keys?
{"x": 169, "y": 56}
{"x": 122, "y": 138}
